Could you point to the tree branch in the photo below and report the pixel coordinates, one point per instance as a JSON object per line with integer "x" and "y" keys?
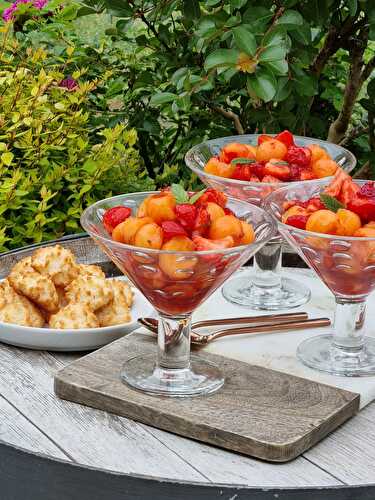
{"x": 364, "y": 172}
{"x": 338, "y": 128}
{"x": 353, "y": 134}
{"x": 368, "y": 69}
{"x": 231, "y": 116}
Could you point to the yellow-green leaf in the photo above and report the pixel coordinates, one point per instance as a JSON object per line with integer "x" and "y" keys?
{"x": 7, "y": 158}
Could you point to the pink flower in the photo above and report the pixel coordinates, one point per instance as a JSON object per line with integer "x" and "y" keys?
{"x": 8, "y": 13}
{"x": 69, "y": 83}
{"x": 39, "y": 4}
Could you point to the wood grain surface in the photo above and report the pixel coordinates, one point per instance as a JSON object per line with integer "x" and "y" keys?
{"x": 258, "y": 412}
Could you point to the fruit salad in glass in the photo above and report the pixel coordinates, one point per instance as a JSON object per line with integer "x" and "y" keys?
{"x": 250, "y": 167}
{"x": 332, "y": 226}
{"x": 177, "y": 248}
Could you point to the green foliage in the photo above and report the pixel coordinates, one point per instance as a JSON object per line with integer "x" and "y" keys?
{"x": 53, "y": 163}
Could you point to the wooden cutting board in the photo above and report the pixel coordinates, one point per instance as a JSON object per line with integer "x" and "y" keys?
{"x": 258, "y": 412}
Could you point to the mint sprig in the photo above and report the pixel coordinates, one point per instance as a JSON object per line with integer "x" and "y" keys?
{"x": 242, "y": 161}
{"x": 330, "y": 202}
{"x": 182, "y": 196}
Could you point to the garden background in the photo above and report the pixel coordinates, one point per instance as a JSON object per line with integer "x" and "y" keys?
{"x": 106, "y": 96}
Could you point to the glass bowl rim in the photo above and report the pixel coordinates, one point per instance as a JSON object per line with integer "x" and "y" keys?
{"x": 191, "y": 253}
{"x": 267, "y": 204}
{"x": 197, "y": 170}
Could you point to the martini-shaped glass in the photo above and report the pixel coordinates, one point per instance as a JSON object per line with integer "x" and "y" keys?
{"x": 346, "y": 264}
{"x": 175, "y": 283}
{"x": 264, "y": 287}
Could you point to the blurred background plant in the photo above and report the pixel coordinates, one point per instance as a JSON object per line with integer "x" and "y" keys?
{"x": 181, "y": 71}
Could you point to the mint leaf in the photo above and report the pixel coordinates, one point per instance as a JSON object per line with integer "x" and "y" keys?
{"x": 242, "y": 161}
{"x": 180, "y": 194}
{"x": 196, "y": 196}
{"x": 281, "y": 163}
{"x": 330, "y": 202}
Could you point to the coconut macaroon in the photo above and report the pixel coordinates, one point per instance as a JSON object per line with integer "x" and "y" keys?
{"x": 23, "y": 266}
{"x": 74, "y": 316}
{"x": 36, "y": 287}
{"x": 90, "y": 270}
{"x": 16, "y": 309}
{"x": 56, "y": 262}
{"x": 93, "y": 291}
{"x": 118, "y": 309}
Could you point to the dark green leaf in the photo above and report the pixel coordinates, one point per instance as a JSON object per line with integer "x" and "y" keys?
{"x": 352, "y": 5}
{"x": 162, "y": 98}
{"x": 237, "y": 4}
{"x": 278, "y": 67}
{"x": 242, "y": 161}
{"x": 291, "y": 18}
{"x": 118, "y": 8}
{"x": 330, "y": 202}
{"x": 263, "y": 84}
{"x": 272, "y": 53}
{"x": 221, "y": 57}
{"x": 245, "y": 40}
{"x": 191, "y": 9}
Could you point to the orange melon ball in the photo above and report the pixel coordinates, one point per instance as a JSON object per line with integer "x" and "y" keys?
{"x": 295, "y": 210}
{"x": 214, "y": 211}
{"x": 233, "y": 150}
{"x": 365, "y": 232}
{"x": 318, "y": 153}
{"x": 149, "y": 236}
{"x": 322, "y": 221}
{"x": 177, "y": 267}
{"x": 251, "y": 151}
{"x": 212, "y": 165}
{"x": 348, "y": 222}
{"x": 142, "y": 209}
{"x": 248, "y": 233}
{"x": 225, "y": 170}
{"x": 160, "y": 207}
{"x": 228, "y": 225}
{"x": 324, "y": 168}
{"x": 272, "y": 149}
{"x": 126, "y": 231}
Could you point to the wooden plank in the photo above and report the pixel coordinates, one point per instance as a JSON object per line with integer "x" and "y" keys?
{"x": 258, "y": 412}
{"x": 349, "y": 453}
{"x": 224, "y": 467}
{"x": 90, "y": 437}
{"x": 15, "y": 429}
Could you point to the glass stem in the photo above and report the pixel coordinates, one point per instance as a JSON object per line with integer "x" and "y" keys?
{"x": 174, "y": 342}
{"x": 348, "y": 332}
{"x": 267, "y": 265}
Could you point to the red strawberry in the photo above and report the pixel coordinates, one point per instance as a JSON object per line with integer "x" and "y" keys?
{"x": 172, "y": 229}
{"x": 242, "y": 173}
{"x": 364, "y": 207}
{"x": 307, "y": 174}
{"x": 314, "y": 204}
{"x": 258, "y": 169}
{"x": 186, "y": 215}
{"x": 298, "y": 156}
{"x": 298, "y": 221}
{"x": 214, "y": 196}
{"x": 278, "y": 169}
{"x": 207, "y": 244}
{"x": 264, "y": 138}
{"x": 368, "y": 190}
{"x": 114, "y": 216}
{"x": 286, "y": 138}
{"x": 270, "y": 178}
{"x": 202, "y": 221}
{"x": 295, "y": 172}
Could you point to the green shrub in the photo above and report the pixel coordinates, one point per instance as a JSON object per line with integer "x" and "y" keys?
{"x": 53, "y": 163}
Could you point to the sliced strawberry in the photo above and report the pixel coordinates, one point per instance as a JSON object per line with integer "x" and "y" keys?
{"x": 264, "y": 138}
{"x": 364, "y": 207}
{"x": 202, "y": 244}
{"x": 298, "y": 221}
{"x": 214, "y": 196}
{"x": 114, "y": 216}
{"x": 278, "y": 169}
{"x": 335, "y": 186}
{"x": 242, "y": 173}
{"x": 294, "y": 203}
{"x": 349, "y": 190}
{"x": 171, "y": 229}
{"x": 295, "y": 172}
{"x": 286, "y": 138}
{"x": 254, "y": 178}
{"x": 186, "y": 215}
{"x": 368, "y": 190}
{"x": 233, "y": 150}
{"x": 258, "y": 169}
{"x": 314, "y": 204}
{"x": 202, "y": 221}
{"x": 298, "y": 156}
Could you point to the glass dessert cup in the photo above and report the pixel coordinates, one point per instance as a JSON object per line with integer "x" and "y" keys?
{"x": 263, "y": 287}
{"x": 175, "y": 283}
{"x": 346, "y": 264}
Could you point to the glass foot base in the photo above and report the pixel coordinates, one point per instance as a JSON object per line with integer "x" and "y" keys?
{"x": 291, "y": 294}
{"x": 202, "y": 377}
{"x": 319, "y": 353}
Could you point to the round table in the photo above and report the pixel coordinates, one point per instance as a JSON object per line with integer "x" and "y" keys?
{"x": 54, "y": 449}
